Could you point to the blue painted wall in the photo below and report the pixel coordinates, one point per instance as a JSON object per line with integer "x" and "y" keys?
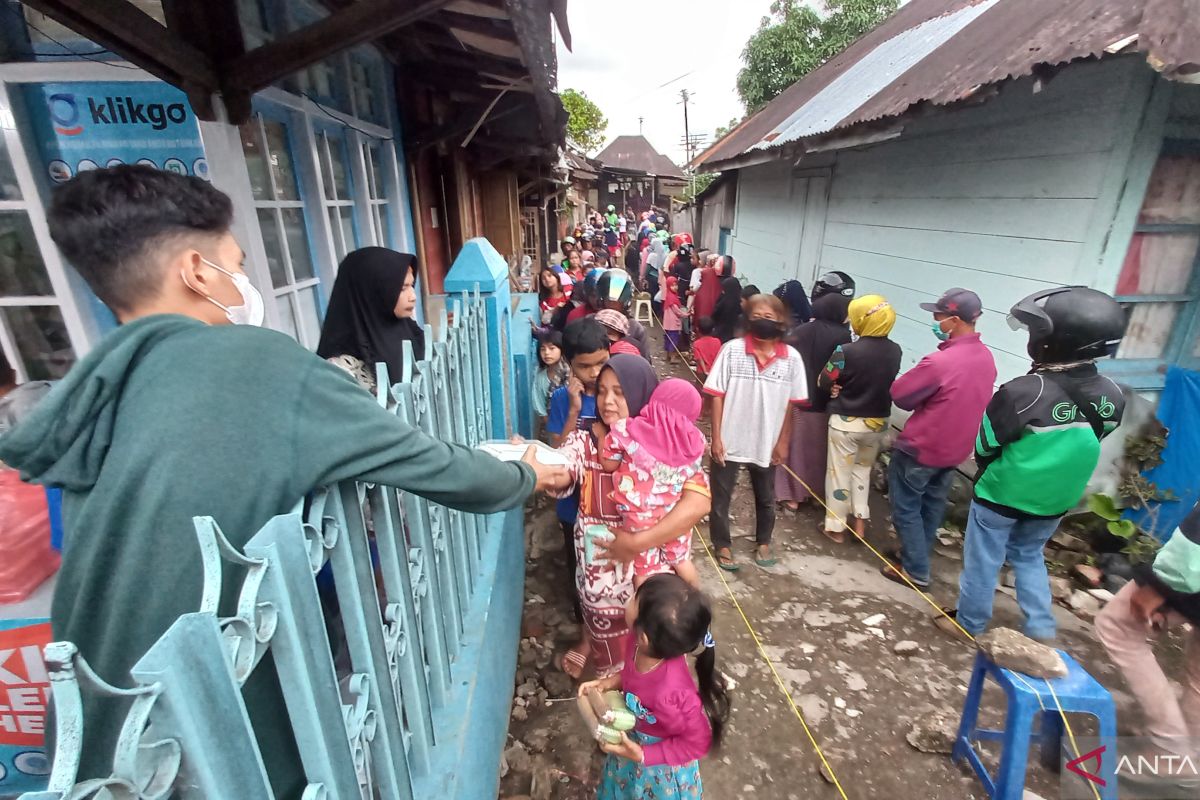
{"x": 1007, "y": 197}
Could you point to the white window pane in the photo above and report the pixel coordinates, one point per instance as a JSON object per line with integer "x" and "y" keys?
{"x": 41, "y": 339}
{"x": 8, "y": 179}
{"x": 1149, "y": 330}
{"x": 341, "y": 175}
{"x": 386, "y": 241}
{"x": 347, "y": 217}
{"x": 375, "y": 161}
{"x": 297, "y": 242}
{"x": 279, "y": 158}
{"x": 271, "y": 242}
{"x": 287, "y": 317}
{"x": 256, "y": 160}
{"x": 1158, "y": 263}
{"x": 22, "y": 273}
{"x": 310, "y": 314}
{"x": 335, "y": 230}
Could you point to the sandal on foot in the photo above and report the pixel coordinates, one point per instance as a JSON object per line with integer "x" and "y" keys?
{"x": 896, "y": 574}
{"x": 947, "y": 623}
{"x": 571, "y": 658}
{"x": 837, "y": 537}
{"x": 725, "y": 560}
{"x": 763, "y": 557}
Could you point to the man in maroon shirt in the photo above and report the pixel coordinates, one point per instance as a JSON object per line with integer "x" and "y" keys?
{"x": 947, "y": 393}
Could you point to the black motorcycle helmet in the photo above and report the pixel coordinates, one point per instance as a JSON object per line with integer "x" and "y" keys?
{"x": 1071, "y": 323}
{"x": 614, "y": 286}
{"x": 834, "y": 282}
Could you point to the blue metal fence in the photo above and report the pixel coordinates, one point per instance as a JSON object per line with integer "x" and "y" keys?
{"x": 412, "y": 704}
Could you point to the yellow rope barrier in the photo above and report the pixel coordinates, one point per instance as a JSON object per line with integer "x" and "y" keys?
{"x": 900, "y": 572}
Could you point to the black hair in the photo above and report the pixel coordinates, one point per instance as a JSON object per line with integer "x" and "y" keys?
{"x": 583, "y": 336}
{"x": 111, "y": 226}
{"x": 549, "y": 337}
{"x": 707, "y": 326}
{"x": 8, "y": 375}
{"x": 749, "y": 290}
{"x": 543, "y": 294}
{"x": 676, "y": 619}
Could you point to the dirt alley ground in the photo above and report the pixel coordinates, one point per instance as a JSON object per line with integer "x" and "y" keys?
{"x": 858, "y": 697}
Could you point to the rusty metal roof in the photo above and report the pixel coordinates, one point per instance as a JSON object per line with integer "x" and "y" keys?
{"x": 637, "y": 154}
{"x": 941, "y": 51}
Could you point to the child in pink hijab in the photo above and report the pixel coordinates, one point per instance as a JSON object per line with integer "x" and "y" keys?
{"x": 653, "y": 456}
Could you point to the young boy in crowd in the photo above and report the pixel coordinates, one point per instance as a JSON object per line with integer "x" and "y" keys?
{"x": 573, "y": 407}
{"x": 706, "y": 347}
{"x": 753, "y": 383}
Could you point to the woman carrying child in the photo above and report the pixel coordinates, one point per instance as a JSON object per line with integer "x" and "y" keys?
{"x": 678, "y": 723}
{"x": 653, "y": 457}
{"x": 605, "y": 584}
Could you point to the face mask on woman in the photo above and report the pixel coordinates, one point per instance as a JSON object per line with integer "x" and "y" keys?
{"x": 763, "y": 328}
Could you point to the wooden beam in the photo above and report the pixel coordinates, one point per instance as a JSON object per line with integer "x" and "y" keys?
{"x": 133, "y": 34}
{"x": 213, "y": 28}
{"x": 358, "y": 23}
{"x": 475, "y": 8}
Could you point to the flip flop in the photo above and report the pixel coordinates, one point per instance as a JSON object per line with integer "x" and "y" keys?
{"x": 725, "y": 560}
{"x": 769, "y": 561}
{"x": 893, "y": 573}
{"x": 572, "y": 658}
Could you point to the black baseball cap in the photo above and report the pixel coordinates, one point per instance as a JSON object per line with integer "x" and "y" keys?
{"x": 961, "y": 303}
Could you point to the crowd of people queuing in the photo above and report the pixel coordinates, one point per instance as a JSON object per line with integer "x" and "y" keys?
{"x": 174, "y": 411}
{"x": 800, "y": 389}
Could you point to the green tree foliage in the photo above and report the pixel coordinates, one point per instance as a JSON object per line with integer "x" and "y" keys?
{"x": 586, "y": 123}
{"x": 724, "y": 129}
{"x": 793, "y": 40}
{"x": 701, "y": 182}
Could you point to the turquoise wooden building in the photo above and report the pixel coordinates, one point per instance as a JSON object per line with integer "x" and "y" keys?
{"x": 999, "y": 145}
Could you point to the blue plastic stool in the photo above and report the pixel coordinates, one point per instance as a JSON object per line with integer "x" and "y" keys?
{"x": 1077, "y": 692}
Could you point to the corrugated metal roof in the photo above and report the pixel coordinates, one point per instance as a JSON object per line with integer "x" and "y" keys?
{"x": 635, "y": 153}
{"x": 941, "y": 51}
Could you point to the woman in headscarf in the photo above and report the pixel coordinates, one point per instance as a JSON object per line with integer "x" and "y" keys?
{"x": 650, "y": 275}
{"x": 371, "y": 315}
{"x": 604, "y": 588}
{"x": 815, "y": 341}
{"x": 705, "y": 299}
{"x": 796, "y": 299}
{"x": 859, "y": 378}
{"x": 728, "y": 309}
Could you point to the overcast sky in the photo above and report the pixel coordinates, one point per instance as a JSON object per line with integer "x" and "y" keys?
{"x": 617, "y": 66}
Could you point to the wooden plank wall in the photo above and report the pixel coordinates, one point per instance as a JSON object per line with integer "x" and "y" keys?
{"x": 1002, "y": 198}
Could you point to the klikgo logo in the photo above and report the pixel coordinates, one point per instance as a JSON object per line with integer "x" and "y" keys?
{"x": 64, "y": 111}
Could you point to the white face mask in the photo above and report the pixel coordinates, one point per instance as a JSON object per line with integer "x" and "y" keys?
{"x": 252, "y": 311}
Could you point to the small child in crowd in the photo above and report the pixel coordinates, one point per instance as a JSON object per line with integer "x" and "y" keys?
{"x": 678, "y": 723}
{"x": 706, "y": 347}
{"x": 672, "y": 319}
{"x": 552, "y": 373}
{"x": 653, "y": 456}
{"x": 616, "y": 325}
{"x": 551, "y": 293}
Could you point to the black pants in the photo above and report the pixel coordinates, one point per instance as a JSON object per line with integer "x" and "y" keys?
{"x": 652, "y": 288}
{"x": 568, "y": 531}
{"x": 724, "y": 478}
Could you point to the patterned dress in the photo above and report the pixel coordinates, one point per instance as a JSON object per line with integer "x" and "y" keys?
{"x": 645, "y": 490}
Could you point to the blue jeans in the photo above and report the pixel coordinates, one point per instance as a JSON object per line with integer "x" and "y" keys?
{"x": 918, "y": 496}
{"x": 993, "y": 538}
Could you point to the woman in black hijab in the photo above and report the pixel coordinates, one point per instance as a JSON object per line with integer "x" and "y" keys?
{"x": 796, "y": 299}
{"x": 728, "y": 309}
{"x": 815, "y": 341}
{"x": 370, "y": 315}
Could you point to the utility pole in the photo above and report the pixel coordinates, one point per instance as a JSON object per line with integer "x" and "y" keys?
{"x": 683, "y": 93}
{"x": 640, "y": 121}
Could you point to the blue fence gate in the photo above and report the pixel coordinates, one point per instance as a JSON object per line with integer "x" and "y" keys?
{"x": 413, "y": 704}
